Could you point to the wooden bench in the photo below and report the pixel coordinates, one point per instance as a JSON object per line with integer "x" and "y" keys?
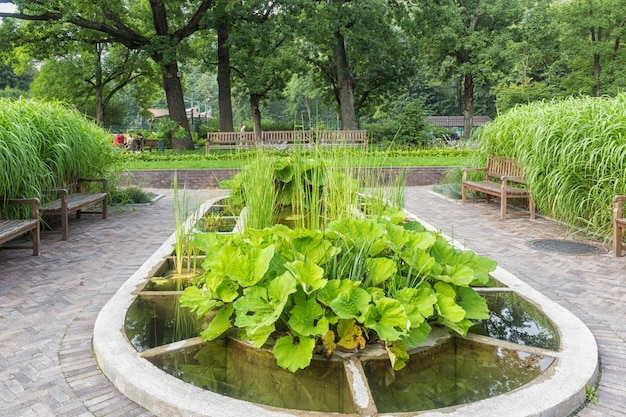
{"x": 73, "y": 200}
{"x": 356, "y": 138}
{"x": 149, "y": 144}
{"x": 11, "y": 229}
{"x": 285, "y": 139}
{"x": 500, "y": 175}
{"x": 619, "y": 224}
{"x": 230, "y": 140}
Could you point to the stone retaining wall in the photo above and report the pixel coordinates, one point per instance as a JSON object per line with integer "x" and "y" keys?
{"x": 210, "y": 178}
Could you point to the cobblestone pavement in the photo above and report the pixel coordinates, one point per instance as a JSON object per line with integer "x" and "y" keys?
{"x": 48, "y": 304}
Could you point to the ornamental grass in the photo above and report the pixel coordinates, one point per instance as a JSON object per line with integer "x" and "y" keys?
{"x": 46, "y": 144}
{"x": 574, "y": 154}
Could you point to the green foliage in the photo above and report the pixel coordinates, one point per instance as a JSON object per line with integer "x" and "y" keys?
{"x": 574, "y": 155}
{"x": 361, "y": 281}
{"x": 129, "y": 195}
{"x": 45, "y": 145}
{"x": 591, "y": 393}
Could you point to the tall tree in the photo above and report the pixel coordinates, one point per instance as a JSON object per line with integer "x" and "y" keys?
{"x": 359, "y": 50}
{"x": 591, "y": 42}
{"x": 264, "y": 54}
{"x": 468, "y": 38}
{"x": 159, "y": 27}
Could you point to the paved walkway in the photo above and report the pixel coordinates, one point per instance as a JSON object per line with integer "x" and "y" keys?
{"x": 48, "y": 304}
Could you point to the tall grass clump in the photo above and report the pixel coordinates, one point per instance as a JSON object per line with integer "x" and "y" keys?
{"x": 311, "y": 187}
{"x": 46, "y": 144}
{"x": 574, "y": 155}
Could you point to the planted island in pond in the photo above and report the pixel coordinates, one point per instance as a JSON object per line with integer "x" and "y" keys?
{"x": 358, "y": 281}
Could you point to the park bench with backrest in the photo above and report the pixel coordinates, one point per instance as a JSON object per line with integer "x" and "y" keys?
{"x": 287, "y": 139}
{"x": 619, "y": 224}
{"x": 73, "y": 199}
{"x": 349, "y": 138}
{"x": 13, "y": 228}
{"x": 504, "y": 178}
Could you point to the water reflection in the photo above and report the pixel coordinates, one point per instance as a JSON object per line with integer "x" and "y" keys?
{"x": 515, "y": 320}
{"x": 457, "y": 372}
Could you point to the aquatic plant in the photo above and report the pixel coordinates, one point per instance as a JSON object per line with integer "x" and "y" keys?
{"x": 359, "y": 281}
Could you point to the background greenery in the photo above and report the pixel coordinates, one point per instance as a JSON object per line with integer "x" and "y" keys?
{"x": 574, "y": 154}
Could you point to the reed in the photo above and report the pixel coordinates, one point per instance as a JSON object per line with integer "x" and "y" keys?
{"x": 574, "y": 154}
{"x": 46, "y": 144}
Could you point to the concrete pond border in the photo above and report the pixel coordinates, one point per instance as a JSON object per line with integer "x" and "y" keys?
{"x": 556, "y": 393}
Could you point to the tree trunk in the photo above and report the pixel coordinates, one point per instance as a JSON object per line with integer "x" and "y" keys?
{"x": 256, "y": 117}
{"x": 176, "y": 105}
{"x": 596, "y": 75}
{"x": 99, "y": 87}
{"x": 343, "y": 92}
{"x": 468, "y": 105}
{"x": 223, "y": 79}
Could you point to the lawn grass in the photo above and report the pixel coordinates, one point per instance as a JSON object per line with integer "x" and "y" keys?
{"x": 198, "y": 160}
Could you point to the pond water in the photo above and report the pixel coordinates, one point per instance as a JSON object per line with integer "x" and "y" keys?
{"x": 455, "y": 372}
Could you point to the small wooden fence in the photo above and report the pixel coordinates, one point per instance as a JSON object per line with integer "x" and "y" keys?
{"x": 286, "y": 139}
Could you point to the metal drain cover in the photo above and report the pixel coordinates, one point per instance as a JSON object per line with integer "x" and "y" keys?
{"x": 567, "y": 247}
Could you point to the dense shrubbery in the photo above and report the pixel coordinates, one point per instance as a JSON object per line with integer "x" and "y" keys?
{"x": 574, "y": 153}
{"x": 43, "y": 145}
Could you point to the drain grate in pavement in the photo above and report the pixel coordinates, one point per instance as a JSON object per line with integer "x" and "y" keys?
{"x": 567, "y": 247}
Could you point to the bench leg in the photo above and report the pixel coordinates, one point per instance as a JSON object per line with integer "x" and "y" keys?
{"x": 531, "y": 208}
{"x": 36, "y": 240}
{"x": 104, "y": 208}
{"x": 617, "y": 240}
{"x": 64, "y": 226}
{"x": 503, "y": 203}
{"x": 463, "y": 193}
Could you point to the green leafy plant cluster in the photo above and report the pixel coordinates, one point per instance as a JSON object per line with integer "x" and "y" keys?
{"x": 360, "y": 281}
{"x": 46, "y": 144}
{"x": 314, "y": 189}
{"x": 574, "y": 155}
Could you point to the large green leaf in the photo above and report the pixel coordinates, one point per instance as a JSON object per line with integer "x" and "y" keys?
{"x": 420, "y": 300}
{"x": 419, "y": 262}
{"x": 259, "y": 336}
{"x": 359, "y": 233}
{"x": 474, "y": 305}
{"x": 333, "y": 288}
{"x": 220, "y": 323}
{"x": 249, "y": 268}
{"x": 446, "y": 303}
{"x": 351, "y": 303}
{"x": 459, "y": 275}
{"x": 292, "y": 354}
{"x": 313, "y": 247}
{"x": 260, "y": 306}
{"x": 198, "y": 301}
{"x": 310, "y": 277}
{"x": 380, "y": 270}
{"x": 388, "y": 318}
{"x": 221, "y": 287}
{"x": 307, "y": 317}
{"x": 417, "y": 334}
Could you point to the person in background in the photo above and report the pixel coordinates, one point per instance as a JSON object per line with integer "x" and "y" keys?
{"x": 140, "y": 141}
{"x": 119, "y": 140}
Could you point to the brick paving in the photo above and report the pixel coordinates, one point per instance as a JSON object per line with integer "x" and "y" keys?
{"x": 48, "y": 304}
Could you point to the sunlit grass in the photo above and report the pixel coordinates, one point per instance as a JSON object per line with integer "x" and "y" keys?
{"x": 574, "y": 154}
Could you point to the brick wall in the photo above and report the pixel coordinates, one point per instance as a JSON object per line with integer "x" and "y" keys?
{"x": 210, "y": 178}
